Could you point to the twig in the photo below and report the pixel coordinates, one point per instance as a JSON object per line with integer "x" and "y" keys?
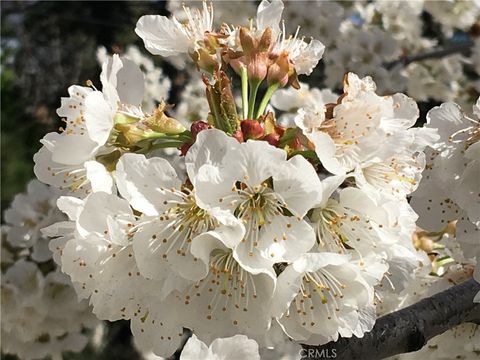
{"x": 408, "y": 329}
{"x": 463, "y": 48}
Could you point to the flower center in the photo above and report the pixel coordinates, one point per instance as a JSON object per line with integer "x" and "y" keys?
{"x": 226, "y": 289}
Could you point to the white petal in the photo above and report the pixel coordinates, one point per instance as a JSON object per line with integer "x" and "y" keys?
{"x": 143, "y": 182}
{"x": 467, "y": 191}
{"x": 70, "y": 206}
{"x": 269, "y": 14}
{"x": 162, "y": 36}
{"x": 212, "y": 147}
{"x": 122, "y": 80}
{"x": 237, "y": 347}
{"x": 93, "y": 220}
{"x": 70, "y": 149}
{"x": 299, "y": 185}
{"x": 286, "y": 238}
{"x": 98, "y": 117}
{"x": 309, "y": 57}
{"x": 195, "y": 349}
{"x": 326, "y": 152}
{"x": 100, "y": 179}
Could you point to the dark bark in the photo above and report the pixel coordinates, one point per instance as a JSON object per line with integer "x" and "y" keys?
{"x": 408, "y": 329}
{"x": 463, "y": 48}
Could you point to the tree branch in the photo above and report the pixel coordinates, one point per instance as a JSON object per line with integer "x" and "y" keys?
{"x": 408, "y": 329}
{"x": 463, "y": 47}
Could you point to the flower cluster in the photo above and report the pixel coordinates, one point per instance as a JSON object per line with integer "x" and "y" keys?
{"x": 374, "y": 38}
{"x": 450, "y": 192}
{"x": 40, "y": 313}
{"x": 259, "y": 212}
{"x": 274, "y": 228}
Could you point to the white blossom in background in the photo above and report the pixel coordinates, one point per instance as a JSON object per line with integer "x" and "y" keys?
{"x": 229, "y": 12}
{"x": 41, "y": 315}
{"x": 475, "y": 57}
{"x": 436, "y": 79}
{"x": 401, "y": 19}
{"x": 251, "y": 230}
{"x": 307, "y": 13}
{"x": 289, "y": 101}
{"x": 454, "y": 14}
{"x": 460, "y": 342}
{"x": 28, "y": 214}
{"x": 193, "y": 105}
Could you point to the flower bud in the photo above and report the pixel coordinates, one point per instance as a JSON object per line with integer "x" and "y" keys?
{"x": 251, "y": 129}
{"x": 247, "y": 41}
{"x": 265, "y": 41}
{"x": 198, "y": 126}
{"x": 257, "y": 68}
{"x": 278, "y": 72}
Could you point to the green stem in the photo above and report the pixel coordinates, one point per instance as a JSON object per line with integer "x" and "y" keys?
{"x": 266, "y": 98}
{"x": 254, "y": 85}
{"x": 244, "y": 76}
{"x": 162, "y": 145}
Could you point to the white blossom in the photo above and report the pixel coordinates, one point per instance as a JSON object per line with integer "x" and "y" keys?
{"x": 168, "y": 37}
{"x": 237, "y": 347}
{"x": 72, "y": 160}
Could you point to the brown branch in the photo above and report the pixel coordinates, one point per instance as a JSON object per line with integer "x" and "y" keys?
{"x": 408, "y": 329}
{"x": 464, "y": 48}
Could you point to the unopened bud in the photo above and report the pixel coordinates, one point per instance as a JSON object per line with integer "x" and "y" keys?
{"x": 246, "y": 40}
{"x": 251, "y": 129}
{"x": 278, "y": 72}
{"x": 266, "y": 40}
{"x": 257, "y": 68}
{"x": 198, "y": 126}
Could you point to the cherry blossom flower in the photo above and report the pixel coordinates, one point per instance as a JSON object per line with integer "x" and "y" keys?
{"x": 76, "y": 160}
{"x": 321, "y": 296}
{"x": 173, "y": 219}
{"x": 273, "y": 196}
{"x": 168, "y": 37}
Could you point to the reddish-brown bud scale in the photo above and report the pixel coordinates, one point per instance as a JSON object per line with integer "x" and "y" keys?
{"x": 251, "y": 129}
{"x": 239, "y": 136}
{"x": 296, "y": 144}
{"x": 198, "y": 126}
{"x": 184, "y": 148}
{"x": 273, "y": 139}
